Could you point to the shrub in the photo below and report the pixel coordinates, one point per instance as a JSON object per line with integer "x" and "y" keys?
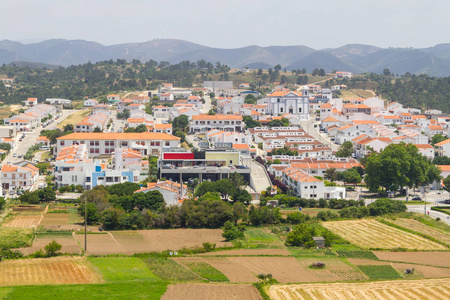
{"x": 232, "y": 232}
{"x": 52, "y": 248}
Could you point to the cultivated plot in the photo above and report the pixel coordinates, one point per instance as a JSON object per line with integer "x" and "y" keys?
{"x": 57, "y": 270}
{"x": 440, "y": 259}
{"x": 373, "y": 234}
{"x": 195, "y": 291}
{"x": 19, "y": 221}
{"x": 69, "y": 245}
{"x": 401, "y": 289}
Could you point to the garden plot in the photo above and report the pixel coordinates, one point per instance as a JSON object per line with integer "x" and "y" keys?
{"x": 400, "y": 289}
{"x": 101, "y": 244}
{"x": 19, "y": 221}
{"x": 195, "y": 291}
{"x": 371, "y": 234}
{"x": 335, "y": 269}
{"x": 56, "y": 270}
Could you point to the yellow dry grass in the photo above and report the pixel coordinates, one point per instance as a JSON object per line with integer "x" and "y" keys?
{"x": 347, "y": 95}
{"x": 75, "y": 117}
{"x": 422, "y": 228}
{"x": 194, "y": 291}
{"x": 371, "y": 234}
{"x": 403, "y": 289}
{"x": 56, "y": 270}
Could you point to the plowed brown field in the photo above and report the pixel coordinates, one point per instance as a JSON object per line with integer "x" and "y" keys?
{"x": 441, "y": 259}
{"x": 195, "y": 291}
{"x": 57, "y": 270}
{"x": 403, "y": 289}
{"x": 69, "y": 245}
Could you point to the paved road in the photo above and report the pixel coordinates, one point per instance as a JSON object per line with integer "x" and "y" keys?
{"x": 30, "y": 139}
{"x": 207, "y": 106}
{"x": 259, "y": 178}
{"x": 432, "y": 213}
{"x": 308, "y": 126}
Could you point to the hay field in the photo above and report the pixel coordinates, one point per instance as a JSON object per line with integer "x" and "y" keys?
{"x": 101, "y": 244}
{"x": 56, "y": 270}
{"x": 401, "y": 289}
{"x": 195, "y": 291}
{"x": 440, "y": 259}
{"x": 373, "y": 234}
{"x": 422, "y": 228}
{"x": 55, "y": 220}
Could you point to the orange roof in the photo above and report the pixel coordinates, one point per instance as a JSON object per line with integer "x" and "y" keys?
{"x": 435, "y": 127}
{"x": 255, "y": 113}
{"x": 424, "y": 146}
{"x": 137, "y": 120}
{"x": 326, "y": 105}
{"x": 444, "y": 168}
{"x": 217, "y": 117}
{"x": 419, "y": 117}
{"x": 241, "y": 146}
{"x": 9, "y": 168}
{"x": 42, "y": 138}
{"x": 330, "y": 119}
{"x": 129, "y": 153}
{"x": 443, "y": 143}
{"x": 163, "y": 126}
{"x": 119, "y": 136}
{"x": 391, "y": 117}
{"x": 283, "y": 93}
{"x": 364, "y": 122}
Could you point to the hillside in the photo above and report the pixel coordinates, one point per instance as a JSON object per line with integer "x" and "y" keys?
{"x": 434, "y": 61}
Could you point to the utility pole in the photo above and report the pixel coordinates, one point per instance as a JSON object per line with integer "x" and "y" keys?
{"x": 85, "y": 224}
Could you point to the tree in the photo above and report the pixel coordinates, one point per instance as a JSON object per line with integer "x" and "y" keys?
{"x": 52, "y": 248}
{"x": 232, "y": 232}
{"x": 345, "y": 150}
{"x": 225, "y": 188}
{"x": 5, "y": 146}
{"x": 181, "y": 135}
{"x": 250, "y": 99}
{"x": 441, "y": 160}
{"x": 446, "y": 183}
{"x": 437, "y": 138}
{"x": 91, "y": 213}
{"x": 141, "y": 128}
{"x": 29, "y": 197}
{"x": 68, "y": 127}
{"x": 180, "y": 123}
{"x": 331, "y": 174}
{"x": 350, "y": 176}
{"x": 47, "y": 194}
{"x": 397, "y": 166}
{"x": 302, "y": 235}
{"x": 386, "y": 72}
{"x": 97, "y": 129}
{"x": 250, "y": 123}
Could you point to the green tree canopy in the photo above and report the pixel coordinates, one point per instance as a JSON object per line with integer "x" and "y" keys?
{"x": 437, "y": 138}
{"x": 345, "y": 150}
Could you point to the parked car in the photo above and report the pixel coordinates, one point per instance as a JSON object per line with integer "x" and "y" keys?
{"x": 416, "y": 198}
{"x": 447, "y": 201}
{"x": 14, "y": 155}
{"x": 11, "y": 192}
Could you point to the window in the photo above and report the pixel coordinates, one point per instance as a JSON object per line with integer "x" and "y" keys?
{"x": 124, "y": 144}
{"x": 109, "y": 179}
{"x": 281, "y": 109}
{"x": 62, "y": 143}
{"x": 91, "y": 143}
{"x": 97, "y": 150}
{"x": 167, "y": 143}
{"x": 299, "y": 109}
{"x": 88, "y": 179}
{"x": 101, "y": 178}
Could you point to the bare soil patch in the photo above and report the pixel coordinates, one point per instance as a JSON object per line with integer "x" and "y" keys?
{"x": 399, "y": 289}
{"x": 20, "y": 221}
{"x": 440, "y": 259}
{"x": 69, "y": 245}
{"x": 28, "y": 209}
{"x": 283, "y": 269}
{"x": 373, "y": 234}
{"x": 250, "y": 252}
{"x": 56, "y": 270}
{"x": 101, "y": 244}
{"x": 195, "y": 291}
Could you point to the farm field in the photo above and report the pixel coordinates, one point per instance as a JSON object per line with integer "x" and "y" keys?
{"x": 189, "y": 291}
{"x": 422, "y": 228}
{"x": 248, "y": 252}
{"x": 69, "y": 245}
{"x": 19, "y": 221}
{"x": 57, "y": 270}
{"x": 15, "y": 237}
{"x": 441, "y": 259}
{"x": 122, "y": 268}
{"x": 370, "y": 233}
{"x": 399, "y": 289}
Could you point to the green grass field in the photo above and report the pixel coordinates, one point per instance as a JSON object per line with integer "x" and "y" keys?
{"x": 120, "y": 290}
{"x": 15, "y": 237}
{"x": 123, "y": 268}
{"x": 378, "y": 272}
{"x": 168, "y": 269}
{"x": 357, "y": 254}
{"x": 207, "y": 271}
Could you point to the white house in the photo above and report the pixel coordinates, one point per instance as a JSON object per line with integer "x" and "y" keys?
{"x": 15, "y": 177}
{"x": 160, "y": 111}
{"x": 443, "y": 148}
{"x": 173, "y": 192}
{"x": 90, "y": 102}
{"x": 349, "y": 132}
{"x": 204, "y": 122}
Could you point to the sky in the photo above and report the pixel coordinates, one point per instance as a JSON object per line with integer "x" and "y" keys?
{"x": 231, "y": 23}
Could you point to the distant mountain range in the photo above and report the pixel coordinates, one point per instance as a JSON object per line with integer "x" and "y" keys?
{"x": 434, "y": 61}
